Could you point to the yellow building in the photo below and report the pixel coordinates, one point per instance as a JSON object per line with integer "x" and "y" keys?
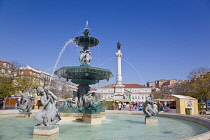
{"x": 186, "y": 104}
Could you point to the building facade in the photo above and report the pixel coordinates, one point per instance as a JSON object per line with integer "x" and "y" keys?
{"x": 39, "y": 77}
{"x": 6, "y": 68}
{"x": 134, "y": 92}
{"x": 43, "y": 78}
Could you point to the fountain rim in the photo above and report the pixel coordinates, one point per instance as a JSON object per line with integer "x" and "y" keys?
{"x": 83, "y": 67}
{"x": 196, "y": 119}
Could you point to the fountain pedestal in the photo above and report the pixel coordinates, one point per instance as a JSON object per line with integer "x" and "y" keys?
{"x": 69, "y": 117}
{"x": 46, "y": 130}
{"x": 92, "y": 118}
{"x": 87, "y": 118}
{"x": 151, "y": 120}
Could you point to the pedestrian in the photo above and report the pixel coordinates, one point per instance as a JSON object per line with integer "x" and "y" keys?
{"x": 119, "y": 106}
{"x": 161, "y": 108}
{"x": 140, "y": 106}
{"x": 1, "y": 103}
{"x": 155, "y": 106}
{"x": 167, "y": 109}
{"x": 131, "y": 107}
{"x": 124, "y": 105}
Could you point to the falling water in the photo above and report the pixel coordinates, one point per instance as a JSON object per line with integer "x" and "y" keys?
{"x": 59, "y": 56}
{"x": 134, "y": 69}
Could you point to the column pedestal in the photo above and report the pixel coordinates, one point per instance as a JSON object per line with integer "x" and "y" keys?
{"x": 92, "y": 118}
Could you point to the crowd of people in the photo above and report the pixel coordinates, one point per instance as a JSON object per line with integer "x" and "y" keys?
{"x": 138, "y": 106}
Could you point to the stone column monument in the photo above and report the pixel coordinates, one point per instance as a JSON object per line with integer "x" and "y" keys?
{"x": 119, "y": 87}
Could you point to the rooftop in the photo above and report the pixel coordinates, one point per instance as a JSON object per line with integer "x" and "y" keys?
{"x": 126, "y": 86}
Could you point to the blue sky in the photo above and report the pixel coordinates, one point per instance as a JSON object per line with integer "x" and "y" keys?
{"x": 161, "y": 39}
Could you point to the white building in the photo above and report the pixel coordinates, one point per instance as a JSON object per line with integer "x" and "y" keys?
{"x": 134, "y": 92}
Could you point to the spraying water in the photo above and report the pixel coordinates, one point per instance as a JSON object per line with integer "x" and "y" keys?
{"x": 134, "y": 69}
{"x": 59, "y": 56}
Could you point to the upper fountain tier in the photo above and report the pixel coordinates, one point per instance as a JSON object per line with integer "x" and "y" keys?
{"x": 84, "y": 74}
{"x": 86, "y": 41}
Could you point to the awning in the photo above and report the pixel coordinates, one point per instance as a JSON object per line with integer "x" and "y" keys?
{"x": 123, "y": 100}
{"x": 164, "y": 100}
{"x": 109, "y": 99}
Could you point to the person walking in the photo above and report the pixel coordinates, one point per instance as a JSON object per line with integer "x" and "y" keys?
{"x": 131, "y": 107}
{"x": 1, "y": 103}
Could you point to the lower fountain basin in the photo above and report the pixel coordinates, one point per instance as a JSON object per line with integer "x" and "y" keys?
{"x": 117, "y": 126}
{"x": 84, "y": 74}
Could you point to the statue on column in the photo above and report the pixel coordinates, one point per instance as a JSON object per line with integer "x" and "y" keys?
{"x": 118, "y": 45}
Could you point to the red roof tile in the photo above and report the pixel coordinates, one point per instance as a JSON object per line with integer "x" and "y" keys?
{"x": 4, "y": 61}
{"x": 126, "y": 86}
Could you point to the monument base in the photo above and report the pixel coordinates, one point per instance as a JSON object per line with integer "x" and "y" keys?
{"x": 46, "y": 130}
{"x": 151, "y": 120}
{"x": 25, "y": 115}
{"x": 92, "y": 118}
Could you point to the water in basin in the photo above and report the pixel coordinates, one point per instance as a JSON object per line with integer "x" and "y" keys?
{"x": 126, "y": 127}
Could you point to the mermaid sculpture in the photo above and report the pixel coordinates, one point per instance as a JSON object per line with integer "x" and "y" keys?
{"x": 49, "y": 116}
{"x": 27, "y": 105}
{"x": 148, "y": 109}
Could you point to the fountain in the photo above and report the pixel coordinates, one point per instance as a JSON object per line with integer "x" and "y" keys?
{"x": 84, "y": 105}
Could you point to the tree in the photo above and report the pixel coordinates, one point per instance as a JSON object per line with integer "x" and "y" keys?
{"x": 6, "y": 88}
{"x": 158, "y": 94}
{"x": 201, "y": 87}
{"x": 182, "y": 87}
{"x": 26, "y": 83}
{"x": 197, "y": 72}
{"x": 16, "y": 64}
{"x": 8, "y": 76}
